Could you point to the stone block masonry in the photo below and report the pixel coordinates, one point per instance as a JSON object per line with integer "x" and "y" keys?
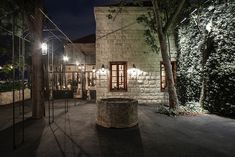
{"x": 6, "y": 97}
{"x": 122, "y": 39}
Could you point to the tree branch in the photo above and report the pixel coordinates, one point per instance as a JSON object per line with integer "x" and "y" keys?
{"x": 157, "y": 14}
{"x": 173, "y": 16}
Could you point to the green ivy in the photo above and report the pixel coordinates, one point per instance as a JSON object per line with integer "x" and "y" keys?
{"x": 220, "y": 66}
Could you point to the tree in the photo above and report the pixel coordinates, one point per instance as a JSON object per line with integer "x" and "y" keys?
{"x": 28, "y": 13}
{"x": 34, "y": 23}
{"x": 160, "y": 25}
{"x": 162, "y": 33}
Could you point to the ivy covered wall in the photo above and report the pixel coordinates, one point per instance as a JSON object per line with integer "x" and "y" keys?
{"x": 210, "y": 32}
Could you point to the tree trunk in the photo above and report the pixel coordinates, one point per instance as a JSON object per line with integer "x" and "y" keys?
{"x": 206, "y": 47}
{"x": 173, "y": 99}
{"x": 35, "y": 27}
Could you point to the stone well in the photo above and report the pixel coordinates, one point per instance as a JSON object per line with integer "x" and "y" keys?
{"x": 117, "y": 113}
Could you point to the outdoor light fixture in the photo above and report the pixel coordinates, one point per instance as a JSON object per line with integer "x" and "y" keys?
{"x": 93, "y": 69}
{"x": 83, "y": 67}
{"x": 44, "y": 48}
{"x": 0, "y": 67}
{"x": 65, "y": 58}
{"x": 134, "y": 67}
{"x": 102, "y": 68}
{"x": 79, "y": 66}
{"x": 77, "y": 63}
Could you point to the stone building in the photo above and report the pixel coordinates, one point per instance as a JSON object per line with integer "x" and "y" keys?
{"x": 126, "y": 65}
{"x": 81, "y": 67}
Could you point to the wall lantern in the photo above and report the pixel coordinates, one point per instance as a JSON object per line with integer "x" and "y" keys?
{"x": 102, "y": 68}
{"x": 65, "y": 58}
{"x": 93, "y": 69}
{"x": 134, "y": 68}
{"x": 77, "y": 63}
{"x": 83, "y": 67}
{"x": 79, "y": 66}
{"x": 44, "y": 48}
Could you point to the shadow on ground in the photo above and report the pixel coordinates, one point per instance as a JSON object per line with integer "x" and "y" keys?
{"x": 33, "y": 133}
{"x": 120, "y": 142}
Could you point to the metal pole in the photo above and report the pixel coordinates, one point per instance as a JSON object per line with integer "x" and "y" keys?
{"x": 49, "y": 115}
{"x": 23, "y": 87}
{"x": 13, "y": 82}
{"x": 73, "y": 87}
{"x": 67, "y": 104}
{"x": 48, "y": 88}
{"x": 52, "y": 64}
{"x": 19, "y": 69}
{"x": 23, "y": 68}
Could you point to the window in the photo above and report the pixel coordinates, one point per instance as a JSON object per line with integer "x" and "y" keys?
{"x": 163, "y": 75}
{"x": 118, "y": 76}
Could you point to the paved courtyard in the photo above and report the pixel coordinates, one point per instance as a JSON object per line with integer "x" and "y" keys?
{"x": 75, "y": 134}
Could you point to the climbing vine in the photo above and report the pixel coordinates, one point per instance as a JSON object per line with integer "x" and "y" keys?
{"x": 219, "y": 19}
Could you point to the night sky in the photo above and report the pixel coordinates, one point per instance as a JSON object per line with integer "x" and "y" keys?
{"x": 74, "y": 17}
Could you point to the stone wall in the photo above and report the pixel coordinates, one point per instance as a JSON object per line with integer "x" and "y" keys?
{"x": 122, "y": 39}
{"x": 6, "y": 97}
{"x": 74, "y": 53}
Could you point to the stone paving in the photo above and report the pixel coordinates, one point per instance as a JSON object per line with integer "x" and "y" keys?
{"x": 75, "y": 134}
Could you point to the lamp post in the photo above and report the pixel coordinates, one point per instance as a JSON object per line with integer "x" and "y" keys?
{"x": 44, "y": 48}
{"x": 65, "y": 59}
{"x": 49, "y": 74}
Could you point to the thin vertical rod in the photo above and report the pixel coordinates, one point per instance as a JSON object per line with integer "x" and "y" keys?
{"x": 13, "y": 81}
{"x": 23, "y": 66}
{"x": 23, "y": 87}
{"x": 48, "y": 87}
{"x": 19, "y": 69}
{"x": 49, "y": 112}
{"x": 52, "y": 64}
{"x": 65, "y": 105}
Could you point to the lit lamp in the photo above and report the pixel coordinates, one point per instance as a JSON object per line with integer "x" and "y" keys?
{"x": 134, "y": 68}
{"x": 102, "y": 68}
{"x": 83, "y": 67}
{"x": 44, "y": 48}
{"x": 0, "y": 67}
{"x": 93, "y": 69}
{"x": 65, "y": 58}
{"x": 79, "y": 66}
{"x": 77, "y": 63}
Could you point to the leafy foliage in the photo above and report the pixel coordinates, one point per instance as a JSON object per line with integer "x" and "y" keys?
{"x": 150, "y": 32}
{"x": 8, "y": 86}
{"x": 8, "y": 9}
{"x": 219, "y": 68}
